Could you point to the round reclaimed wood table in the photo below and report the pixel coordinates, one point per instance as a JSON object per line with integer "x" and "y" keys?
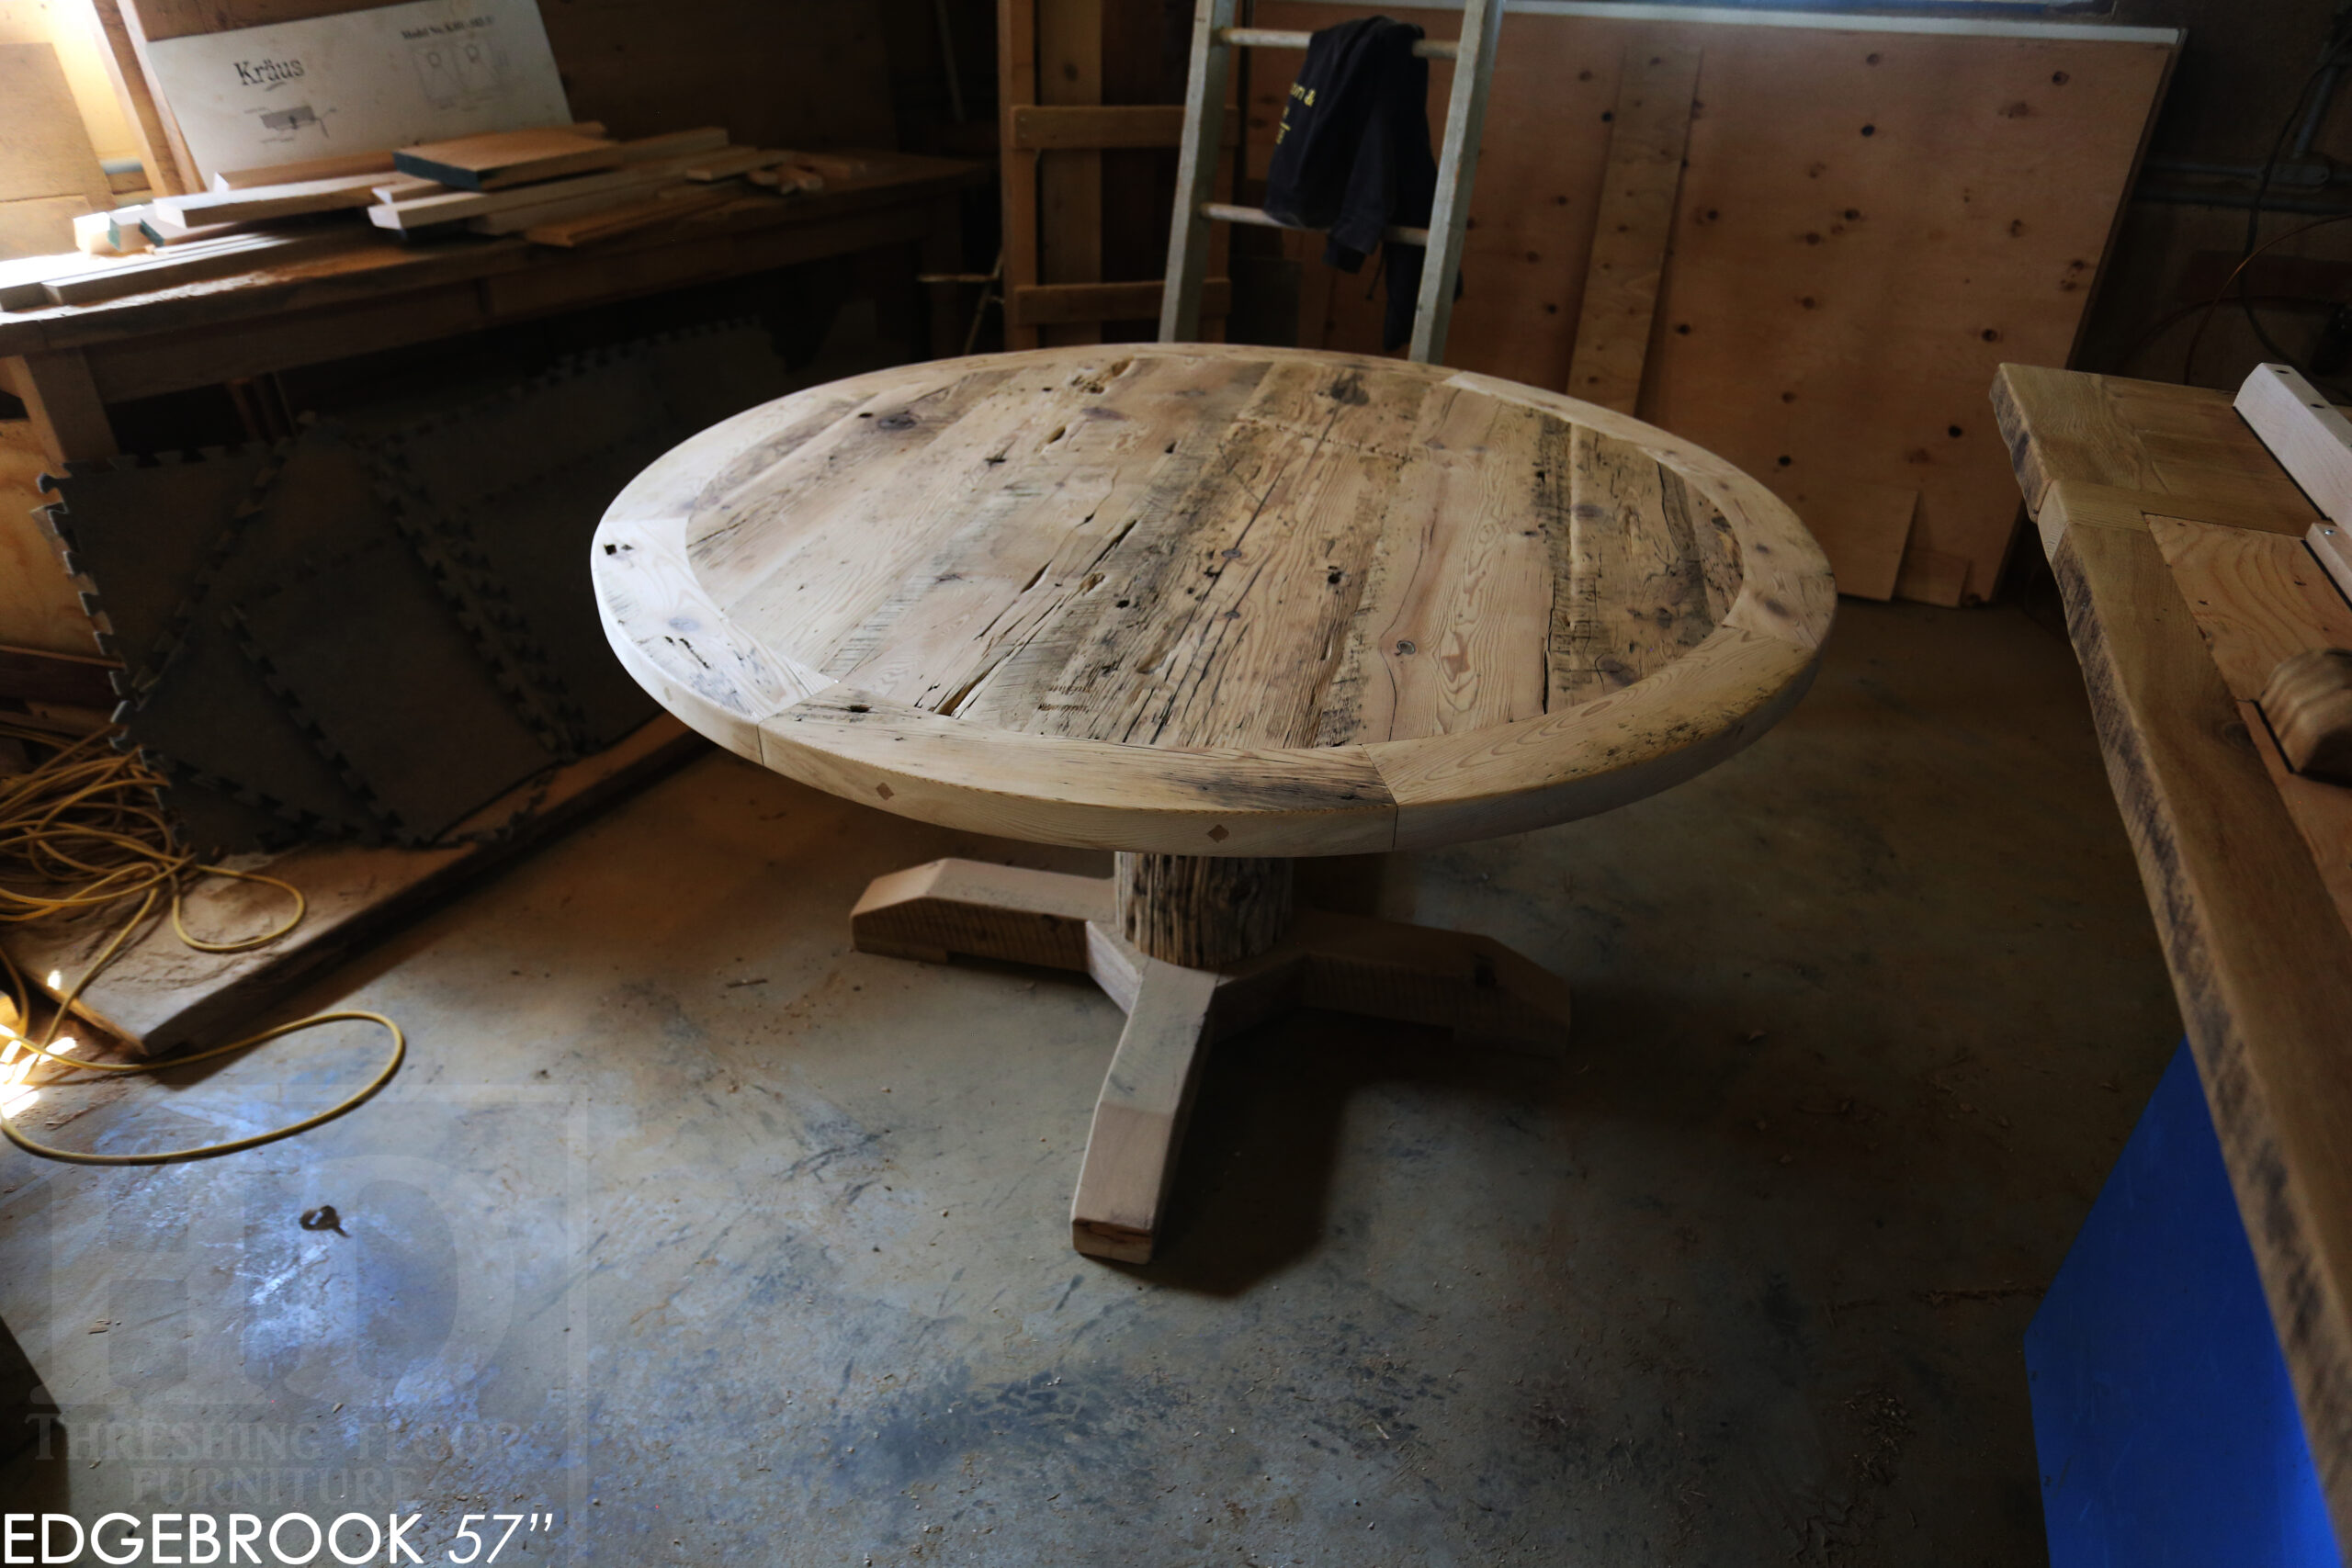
{"x": 1213, "y": 608}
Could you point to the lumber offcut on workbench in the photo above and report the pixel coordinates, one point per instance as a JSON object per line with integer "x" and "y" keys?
{"x": 498, "y": 159}
{"x": 333, "y": 194}
{"x": 175, "y": 265}
{"x": 422, "y": 208}
{"x": 2312, "y": 439}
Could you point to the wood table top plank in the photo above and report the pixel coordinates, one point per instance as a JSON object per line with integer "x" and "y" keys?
{"x": 1455, "y": 623}
{"x": 1180, "y": 586}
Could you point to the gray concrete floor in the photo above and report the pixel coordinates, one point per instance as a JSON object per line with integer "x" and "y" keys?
{"x": 723, "y": 1244}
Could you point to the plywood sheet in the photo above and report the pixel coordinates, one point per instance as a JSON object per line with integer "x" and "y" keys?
{"x": 1863, "y": 529}
{"x": 1870, "y": 223}
{"x": 38, "y": 607}
{"x": 45, "y": 149}
{"x": 39, "y": 225}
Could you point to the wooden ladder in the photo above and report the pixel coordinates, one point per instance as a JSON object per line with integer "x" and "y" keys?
{"x": 1214, "y": 37}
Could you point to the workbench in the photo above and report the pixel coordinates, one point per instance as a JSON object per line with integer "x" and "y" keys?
{"x": 69, "y": 363}
{"x": 2177, "y": 542}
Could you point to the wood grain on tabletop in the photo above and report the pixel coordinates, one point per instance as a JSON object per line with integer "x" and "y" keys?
{"x": 1214, "y": 601}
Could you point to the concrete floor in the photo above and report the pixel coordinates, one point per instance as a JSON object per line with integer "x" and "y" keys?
{"x": 722, "y": 1243}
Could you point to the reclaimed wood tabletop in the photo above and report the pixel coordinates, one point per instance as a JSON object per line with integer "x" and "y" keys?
{"x": 1212, "y": 600}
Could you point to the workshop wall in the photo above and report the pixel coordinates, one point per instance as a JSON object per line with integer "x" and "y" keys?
{"x": 2186, "y": 227}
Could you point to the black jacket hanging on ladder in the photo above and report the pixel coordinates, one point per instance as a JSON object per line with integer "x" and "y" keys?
{"x": 1351, "y": 155}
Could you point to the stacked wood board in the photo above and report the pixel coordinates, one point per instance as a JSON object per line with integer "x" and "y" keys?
{"x": 561, "y": 186}
{"x": 567, "y": 187}
{"x": 1871, "y": 214}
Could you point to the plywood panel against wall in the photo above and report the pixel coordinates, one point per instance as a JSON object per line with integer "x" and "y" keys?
{"x": 1923, "y": 208}
{"x": 81, "y": 54}
{"x": 48, "y": 148}
{"x": 1859, "y": 347}
{"x": 48, "y": 174}
{"x": 1534, "y": 206}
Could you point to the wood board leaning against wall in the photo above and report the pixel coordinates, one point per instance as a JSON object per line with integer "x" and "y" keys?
{"x": 1872, "y": 216}
{"x": 49, "y": 173}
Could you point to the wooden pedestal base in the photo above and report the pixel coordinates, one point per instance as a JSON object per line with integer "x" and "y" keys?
{"x": 1480, "y": 990}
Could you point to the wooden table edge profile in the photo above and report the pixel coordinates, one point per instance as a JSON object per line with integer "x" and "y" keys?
{"x": 2260, "y": 957}
{"x": 1194, "y": 935}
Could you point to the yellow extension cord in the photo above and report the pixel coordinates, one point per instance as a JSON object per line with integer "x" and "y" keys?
{"x": 84, "y": 823}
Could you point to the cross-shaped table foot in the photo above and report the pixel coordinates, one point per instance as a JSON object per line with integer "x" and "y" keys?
{"x": 1479, "y": 988}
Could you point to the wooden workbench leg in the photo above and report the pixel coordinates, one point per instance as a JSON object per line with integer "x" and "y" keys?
{"x": 1139, "y": 1118}
{"x": 62, "y": 399}
{"x": 1199, "y": 911}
